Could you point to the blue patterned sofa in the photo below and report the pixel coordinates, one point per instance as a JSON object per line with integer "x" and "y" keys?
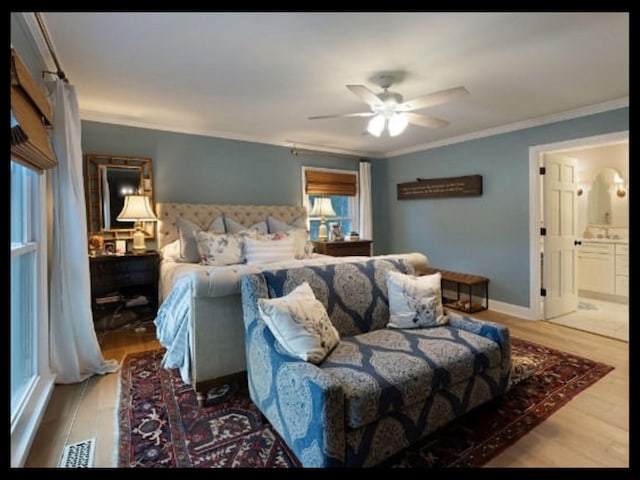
{"x": 380, "y": 389}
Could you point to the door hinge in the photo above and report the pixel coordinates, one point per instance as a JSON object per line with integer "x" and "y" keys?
{"x": 543, "y": 231}
{"x": 543, "y": 170}
{"x": 543, "y": 292}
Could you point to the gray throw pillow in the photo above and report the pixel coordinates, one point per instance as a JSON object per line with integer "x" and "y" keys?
{"x": 276, "y": 226}
{"x": 235, "y": 227}
{"x": 187, "y": 231}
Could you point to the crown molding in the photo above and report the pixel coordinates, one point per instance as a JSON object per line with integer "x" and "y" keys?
{"x": 131, "y": 122}
{"x": 511, "y": 127}
{"x": 34, "y": 34}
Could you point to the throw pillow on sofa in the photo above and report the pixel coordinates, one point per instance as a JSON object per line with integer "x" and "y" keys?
{"x": 300, "y": 324}
{"x": 415, "y": 301}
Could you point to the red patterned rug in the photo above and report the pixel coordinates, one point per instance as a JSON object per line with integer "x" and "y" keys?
{"x": 160, "y": 424}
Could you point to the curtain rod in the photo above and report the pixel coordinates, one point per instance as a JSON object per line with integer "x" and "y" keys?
{"x": 305, "y": 151}
{"x": 45, "y": 34}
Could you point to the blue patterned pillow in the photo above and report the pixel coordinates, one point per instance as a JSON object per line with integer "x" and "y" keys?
{"x": 415, "y": 301}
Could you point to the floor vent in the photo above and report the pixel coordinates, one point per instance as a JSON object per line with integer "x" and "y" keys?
{"x": 78, "y": 455}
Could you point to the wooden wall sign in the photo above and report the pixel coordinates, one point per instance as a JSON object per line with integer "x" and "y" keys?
{"x": 470, "y": 185}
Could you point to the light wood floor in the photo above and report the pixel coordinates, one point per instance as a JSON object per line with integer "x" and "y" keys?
{"x": 592, "y": 430}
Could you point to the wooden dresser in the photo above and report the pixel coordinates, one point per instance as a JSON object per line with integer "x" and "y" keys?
{"x": 117, "y": 284}
{"x": 343, "y": 248}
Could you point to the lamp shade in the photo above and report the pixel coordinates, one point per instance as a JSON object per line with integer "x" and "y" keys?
{"x": 137, "y": 209}
{"x": 322, "y": 208}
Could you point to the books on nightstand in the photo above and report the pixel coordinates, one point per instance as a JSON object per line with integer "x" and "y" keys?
{"x": 108, "y": 299}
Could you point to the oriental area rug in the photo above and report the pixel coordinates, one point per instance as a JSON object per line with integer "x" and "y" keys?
{"x": 160, "y": 424}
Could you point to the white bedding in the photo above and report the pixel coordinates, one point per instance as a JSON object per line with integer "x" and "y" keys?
{"x": 181, "y": 282}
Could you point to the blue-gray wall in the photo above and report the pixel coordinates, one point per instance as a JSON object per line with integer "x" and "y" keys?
{"x": 199, "y": 169}
{"x": 486, "y": 235}
{"x": 20, "y": 41}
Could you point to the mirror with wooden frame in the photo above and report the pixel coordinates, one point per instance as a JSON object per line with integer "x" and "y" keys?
{"x": 107, "y": 180}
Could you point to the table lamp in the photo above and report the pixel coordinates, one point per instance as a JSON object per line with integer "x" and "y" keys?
{"x": 137, "y": 209}
{"x": 322, "y": 208}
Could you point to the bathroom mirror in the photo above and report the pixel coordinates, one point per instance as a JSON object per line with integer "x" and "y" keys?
{"x": 107, "y": 180}
{"x": 605, "y": 205}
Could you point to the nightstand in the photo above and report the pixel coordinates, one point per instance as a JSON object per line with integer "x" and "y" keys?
{"x": 124, "y": 288}
{"x": 343, "y": 248}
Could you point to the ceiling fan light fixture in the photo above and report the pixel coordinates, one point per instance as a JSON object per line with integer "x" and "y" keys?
{"x": 397, "y": 124}
{"x": 376, "y": 125}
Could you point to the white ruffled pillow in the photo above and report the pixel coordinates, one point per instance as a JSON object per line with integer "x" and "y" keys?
{"x": 261, "y": 250}
{"x": 303, "y": 247}
{"x": 415, "y": 301}
{"x": 300, "y": 324}
{"x": 219, "y": 249}
{"x": 171, "y": 251}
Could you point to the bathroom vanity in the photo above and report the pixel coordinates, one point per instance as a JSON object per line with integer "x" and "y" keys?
{"x": 603, "y": 268}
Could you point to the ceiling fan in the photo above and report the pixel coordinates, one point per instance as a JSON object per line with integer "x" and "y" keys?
{"x": 389, "y": 108}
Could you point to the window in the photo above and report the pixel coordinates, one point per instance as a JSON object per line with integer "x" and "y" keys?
{"x": 23, "y": 283}
{"x": 338, "y": 185}
{"x": 31, "y": 380}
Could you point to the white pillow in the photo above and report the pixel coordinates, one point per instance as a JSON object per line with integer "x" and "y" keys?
{"x": 171, "y": 251}
{"x": 235, "y": 227}
{"x": 186, "y": 232}
{"x": 415, "y": 301}
{"x": 219, "y": 249}
{"x": 303, "y": 247}
{"x": 300, "y": 324}
{"x": 269, "y": 250}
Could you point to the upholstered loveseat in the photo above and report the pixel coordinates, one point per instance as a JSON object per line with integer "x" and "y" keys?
{"x": 380, "y": 389}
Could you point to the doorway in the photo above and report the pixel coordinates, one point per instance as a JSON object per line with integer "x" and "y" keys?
{"x": 541, "y": 265}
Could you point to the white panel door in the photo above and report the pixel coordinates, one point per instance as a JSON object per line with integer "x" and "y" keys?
{"x": 560, "y": 253}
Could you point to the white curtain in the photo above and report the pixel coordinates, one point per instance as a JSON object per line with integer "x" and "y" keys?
{"x": 366, "y": 223}
{"x": 74, "y": 348}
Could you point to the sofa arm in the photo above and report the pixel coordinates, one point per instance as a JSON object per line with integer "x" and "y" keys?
{"x": 493, "y": 331}
{"x": 304, "y": 404}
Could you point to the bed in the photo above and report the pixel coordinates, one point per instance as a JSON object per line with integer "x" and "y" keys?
{"x": 199, "y": 320}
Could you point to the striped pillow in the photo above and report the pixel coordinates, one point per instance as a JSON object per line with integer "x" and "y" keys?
{"x": 268, "y": 251}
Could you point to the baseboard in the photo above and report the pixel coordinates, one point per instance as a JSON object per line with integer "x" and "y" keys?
{"x": 509, "y": 309}
{"x": 604, "y": 297}
{"x": 24, "y": 429}
{"x": 495, "y": 305}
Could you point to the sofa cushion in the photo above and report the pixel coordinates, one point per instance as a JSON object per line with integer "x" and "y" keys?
{"x": 358, "y": 301}
{"x": 386, "y": 370}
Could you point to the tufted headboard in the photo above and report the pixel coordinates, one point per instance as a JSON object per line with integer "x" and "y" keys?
{"x": 203, "y": 214}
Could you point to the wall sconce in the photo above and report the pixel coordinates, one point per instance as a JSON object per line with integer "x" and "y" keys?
{"x": 620, "y": 190}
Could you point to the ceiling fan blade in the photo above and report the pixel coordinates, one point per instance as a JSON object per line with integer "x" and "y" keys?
{"x": 361, "y": 114}
{"x": 365, "y": 94}
{"x": 424, "y": 121}
{"x": 433, "y": 99}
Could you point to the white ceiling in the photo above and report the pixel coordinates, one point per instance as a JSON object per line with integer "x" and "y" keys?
{"x": 258, "y": 76}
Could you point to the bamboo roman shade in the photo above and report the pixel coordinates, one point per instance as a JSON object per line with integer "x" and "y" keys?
{"x": 318, "y": 182}
{"x": 30, "y": 113}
